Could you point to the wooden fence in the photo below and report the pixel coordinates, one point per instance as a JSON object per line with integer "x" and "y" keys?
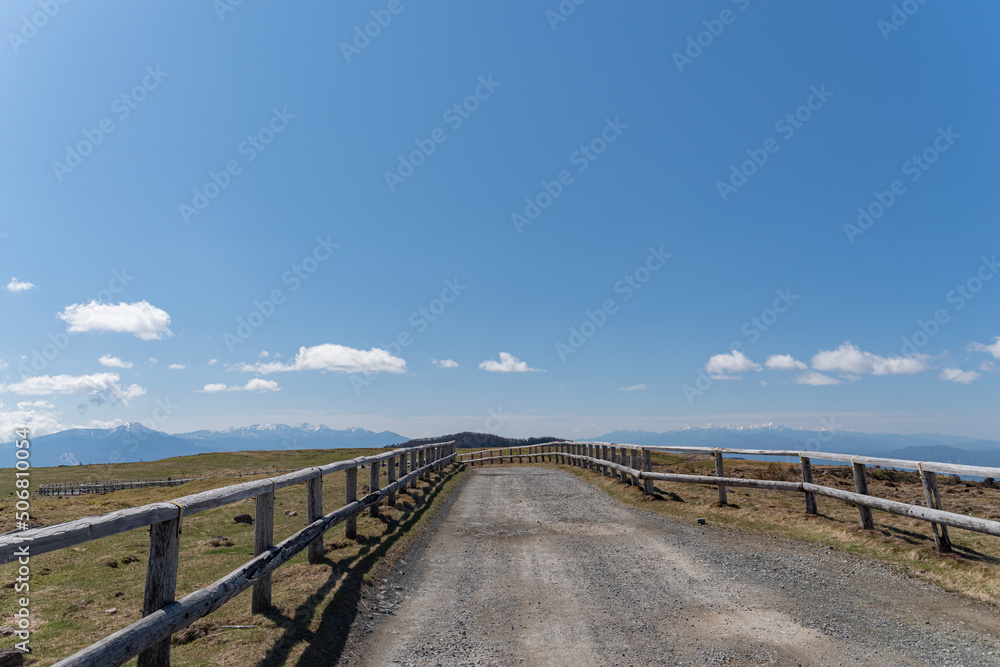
{"x": 149, "y": 638}
{"x": 634, "y": 465}
{"x": 102, "y": 487}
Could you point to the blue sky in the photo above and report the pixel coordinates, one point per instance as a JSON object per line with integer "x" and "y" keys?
{"x": 413, "y": 222}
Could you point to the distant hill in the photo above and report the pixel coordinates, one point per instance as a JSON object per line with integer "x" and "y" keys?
{"x": 921, "y": 447}
{"x": 134, "y": 442}
{"x": 282, "y": 436}
{"x": 469, "y": 440}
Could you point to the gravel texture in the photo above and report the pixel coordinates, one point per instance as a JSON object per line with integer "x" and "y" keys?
{"x": 533, "y": 566}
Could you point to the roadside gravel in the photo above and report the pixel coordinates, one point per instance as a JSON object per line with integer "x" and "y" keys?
{"x": 533, "y": 566}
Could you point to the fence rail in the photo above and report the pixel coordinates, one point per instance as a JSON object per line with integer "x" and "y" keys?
{"x": 149, "y": 638}
{"x": 633, "y": 464}
{"x": 109, "y": 486}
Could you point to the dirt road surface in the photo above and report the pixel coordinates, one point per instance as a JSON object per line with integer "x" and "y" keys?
{"x": 533, "y": 566}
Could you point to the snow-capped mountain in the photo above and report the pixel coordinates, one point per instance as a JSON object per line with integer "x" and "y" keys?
{"x": 135, "y": 442}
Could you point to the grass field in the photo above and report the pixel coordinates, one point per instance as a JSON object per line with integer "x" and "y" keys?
{"x": 72, "y": 590}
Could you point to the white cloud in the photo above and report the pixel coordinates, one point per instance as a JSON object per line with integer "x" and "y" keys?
{"x": 212, "y": 362}
{"x": 784, "y": 362}
{"x": 958, "y": 375}
{"x": 986, "y": 367}
{"x": 255, "y": 384}
{"x": 263, "y": 354}
{"x": 141, "y": 319}
{"x": 445, "y": 363}
{"x": 40, "y": 417}
{"x": 847, "y": 358}
{"x": 723, "y": 366}
{"x": 993, "y": 348}
{"x": 258, "y": 384}
{"x": 114, "y": 362}
{"x": 815, "y": 379}
{"x": 635, "y": 387}
{"x": 508, "y": 364}
{"x": 16, "y": 286}
{"x": 99, "y": 388}
{"x": 331, "y": 357}
{"x": 152, "y": 361}
{"x": 176, "y": 367}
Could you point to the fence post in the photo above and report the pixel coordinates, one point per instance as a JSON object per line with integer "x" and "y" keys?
{"x": 390, "y": 477}
{"x": 402, "y": 467}
{"x": 161, "y": 583}
{"x": 621, "y": 461}
{"x": 350, "y": 495}
{"x": 422, "y": 457}
{"x": 861, "y": 486}
{"x": 933, "y": 497}
{"x": 647, "y": 466}
{"x": 314, "y": 511}
{"x": 373, "y": 472}
{"x": 720, "y": 472}
{"x": 263, "y": 523}
{"x": 633, "y": 457}
{"x": 807, "y": 477}
{"x": 413, "y": 466}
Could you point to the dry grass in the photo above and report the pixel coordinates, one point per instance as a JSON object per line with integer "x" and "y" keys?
{"x": 973, "y": 569}
{"x": 72, "y": 588}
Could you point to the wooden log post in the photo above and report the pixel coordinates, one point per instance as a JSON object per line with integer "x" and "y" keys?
{"x": 933, "y": 497}
{"x": 622, "y": 456}
{"x": 647, "y": 466}
{"x": 633, "y": 457}
{"x": 413, "y": 466}
{"x": 422, "y": 456}
{"x": 402, "y": 467}
{"x": 390, "y": 477}
{"x": 263, "y": 539}
{"x": 350, "y": 495}
{"x": 314, "y": 512}
{"x": 161, "y": 583}
{"x": 807, "y": 476}
{"x": 373, "y": 474}
{"x": 605, "y": 471}
{"x": 720, "y": 472}
{"x": 861, "y": 487}
{"x": 592, "y": 453}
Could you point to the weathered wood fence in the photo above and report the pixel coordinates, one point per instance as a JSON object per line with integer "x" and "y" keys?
{"x": 633, "y": 464}
{"x": 102, "y": 487}
{"x": 149, "y": 638}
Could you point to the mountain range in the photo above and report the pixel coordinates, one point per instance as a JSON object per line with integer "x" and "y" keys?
{"x": 917, "y": 447}
{"x": 134, "y": 442}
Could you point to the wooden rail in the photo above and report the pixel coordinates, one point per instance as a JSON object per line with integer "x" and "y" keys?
{"x": 633, "y": 464}
{"x": 102, "y": 487}
{"x": 149, "y": 638}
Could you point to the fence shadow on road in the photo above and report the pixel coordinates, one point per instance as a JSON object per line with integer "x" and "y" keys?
{"x": 326, "y": 644}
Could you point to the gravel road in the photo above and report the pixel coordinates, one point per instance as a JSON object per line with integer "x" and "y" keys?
{"x": 532, "y": 566}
